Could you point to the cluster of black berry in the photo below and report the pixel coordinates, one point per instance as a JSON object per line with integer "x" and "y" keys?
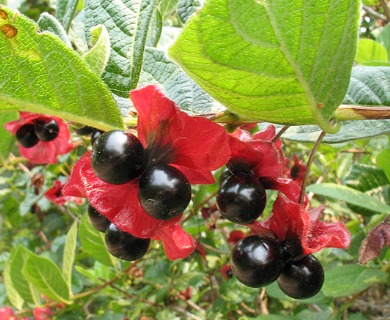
{"x": 120, "y": 244}
{"x": 258, "y": 261}
{"x": 119, "y": 157}
{"x": 41, "y": 129}
{"x": 241, "y": 197}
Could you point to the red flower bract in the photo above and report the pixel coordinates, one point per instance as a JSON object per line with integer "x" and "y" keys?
{"x": 54, "y": 194}
{"x": 291, "y": 222}
{"x": 43, "y": 152}
{"x": 195, "y": 146}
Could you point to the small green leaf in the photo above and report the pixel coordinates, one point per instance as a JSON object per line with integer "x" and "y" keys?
{"x": 65, "y": 11}
{"x": 19, "y": 289}
{"x": 69, "y": 254}
{"x": 7, "y": 140}
{"x": 97, "y": 57}
{"x": 348, "y": 280}
{"x": 272, "y": 60}
{"x": 41, "y": 74}
{"x": 384, "y": 38}
{"x": 92, "y": 241}
{"x": 383, "y": 161}
{"x": 349, "y": 195}
{"x": 47, "y": 22}
{"x": 46, "y": 276}
{"x": 371, "y": 53}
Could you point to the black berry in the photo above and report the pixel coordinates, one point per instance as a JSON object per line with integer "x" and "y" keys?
{"x": 241, "y": 199}
{"x": 123, "y": 245}
{"x": 303, "y": 278}
{"x": 117, "y": 157}
{"x": 26, "y": 136}
{"x": 164, "y": 192}
{"x": 84, "y": 131}
{"x": 96, "y": 134}
{"x": 98, "y": 221}
{"x": 46, "y": 129}
{"x": 257, "y": 261}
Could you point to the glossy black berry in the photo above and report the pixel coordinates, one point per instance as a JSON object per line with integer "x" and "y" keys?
{"x": 117, "y": 157}
{"x": 26, "y": 136}
{"x": 96, "y": 134}
{"x": 257, "y": 261}
{"x": 84, "y": 131}
{"x": 98, "y": 221}
{"x": 123, "y": 245}
{"x": 46, "y": 129}
{"x": 303, "y": 278}
{"x": 241, "y": 199}
{"x": 164, "y": 192}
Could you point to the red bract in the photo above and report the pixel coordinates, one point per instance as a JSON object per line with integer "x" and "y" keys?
{"x": 292, "y": 223}
{"x": 43, "y": 152}
{"x": 7, "y": 313}
{"x": 195, "y": 146}
{"x": 226, "y": 272}
{"x": 42, "y": 313}
{"x": 54, "y": 194}
{"x": 235, "y": 236}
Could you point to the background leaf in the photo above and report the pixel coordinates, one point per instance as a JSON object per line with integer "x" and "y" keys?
{"x": 47, "y": 22}
{"x": 7, "y": 140}
{"x": 92, "y": 241}
{"x": 368, "y": 86}
{"x": 186, "y": 8}
{"x": 97, "y": 57}
{"x": 41, "y": 74}
{"x": 371, "y": 53}
{"x": 383, "y": 161}
{"x": 350, "y": 279}
{"x": 272, "y": 60}
{"x": 349, "y": 195}
{"x": 18, "y": 287}
{"x": 69, "y": 254}
{"x": 65, "y": 11}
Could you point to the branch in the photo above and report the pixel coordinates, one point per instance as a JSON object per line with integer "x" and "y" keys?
{"x": 386, "y": 9}
{"x": 355, "y": 112}
{"x": 371, "y": 12}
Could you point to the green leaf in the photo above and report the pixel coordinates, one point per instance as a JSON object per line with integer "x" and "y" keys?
{"x": 348, "y": 280}
{"x": 97, "y": 57}
{"x": 46, "y": 276}
{"x": 368, "y": 86}
{"x": 92, "y": 241}
{"x": 69, "y": 254}
{"x": 143, "y": 20}
{"x": 158, "y": 69}
{"x": 272, "y": 60}
{"x": 18, "y": 287}
{"x": 384, "y": 38}
{"x": 167, "y": 8}
{"x": 65, "y": 11}
{"x": 186, "y": 8}
{"x": 41, "y": 74}
{"x": 383, "y": 161}
{"x": 7, "y": 140}
{"x": 121, "y": 20}
{"x": 349, "y": 195}
{"x": 371, "y": 53}
{"x": 47, "y": 22}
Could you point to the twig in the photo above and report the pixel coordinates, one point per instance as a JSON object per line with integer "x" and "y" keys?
{"x": 186, "y": 313}
{"x": 355, "y": 112}
{"x": 371, "y": 12}
{"x": 309, "y": 162}
{"x": 386, "y": 9}
{"x": 279, "y": 134}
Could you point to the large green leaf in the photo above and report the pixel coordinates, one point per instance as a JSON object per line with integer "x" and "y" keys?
{"x": 281, "y": 61}
{"x": 348, "y": 280}
{"x": 369, "y": 86}
{"x": 46, "y": 276}
{"x": 41, "y": 74}
{"x": 18, "y": 287}
{"x": 349, "y": 195}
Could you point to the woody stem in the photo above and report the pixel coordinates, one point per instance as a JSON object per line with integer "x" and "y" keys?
{"x": 309, "y": 162}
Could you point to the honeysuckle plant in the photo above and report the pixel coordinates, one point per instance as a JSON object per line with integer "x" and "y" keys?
{"x": 179, "y": 78}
